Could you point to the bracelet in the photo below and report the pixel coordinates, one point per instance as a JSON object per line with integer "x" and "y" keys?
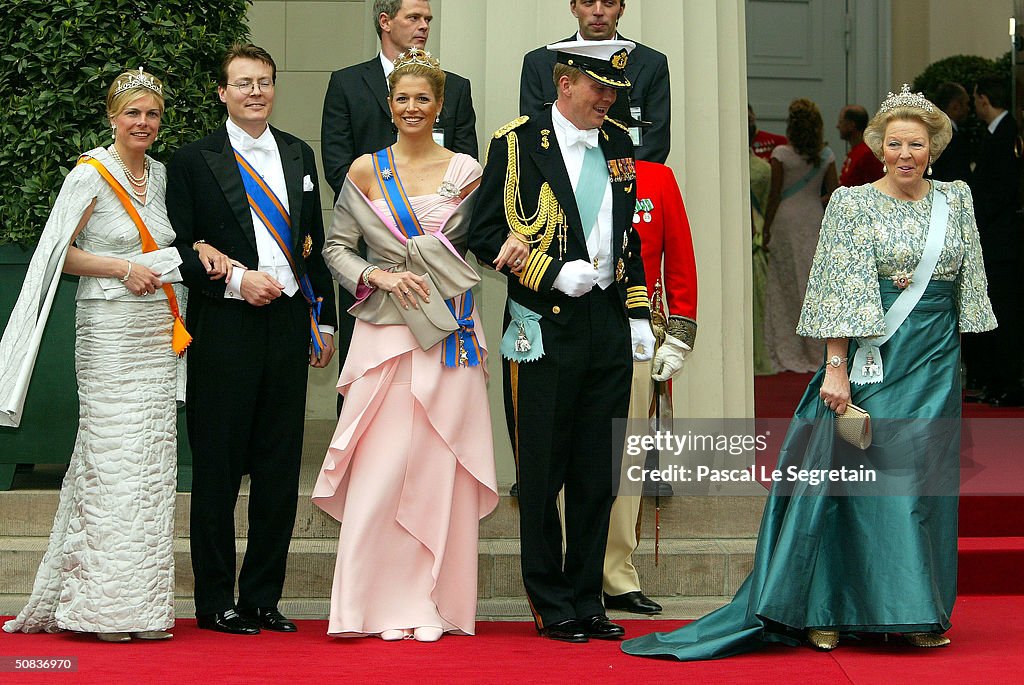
{"x": 196, "y": 244}
{"x": 127, "y": 275}
{"x": 365, "y": 278}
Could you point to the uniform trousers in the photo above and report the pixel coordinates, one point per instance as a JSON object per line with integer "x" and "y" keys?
{"x": 560, "y": 410}
{"x": 246, "y": 408}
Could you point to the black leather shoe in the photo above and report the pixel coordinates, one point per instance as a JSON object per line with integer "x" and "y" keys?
{"x": 600, "y": 628}
{"x": 633, "y": 602}
{"x": 227, "y": 622}
{"x": 568, "y": 630}
{"x": 514, "y": 490}
{"x": 269, "y": 618}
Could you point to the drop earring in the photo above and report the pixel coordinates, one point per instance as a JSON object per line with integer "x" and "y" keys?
{"x": 929, "y": 169}
{"x": 113, "y": 132}
{"x": 885, "y": 169}
{"x": 437, "y": 120}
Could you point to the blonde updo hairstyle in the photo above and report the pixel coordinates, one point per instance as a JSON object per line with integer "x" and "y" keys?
{"x": 117, "y": 103}
{"x": 804, "y": 130}
{"x": 940, "y": 130}
{"x": 416, "y": 62}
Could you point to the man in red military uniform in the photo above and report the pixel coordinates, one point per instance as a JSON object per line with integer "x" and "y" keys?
{"x": 667, "y": 251}
{"x": 861, "y": 166}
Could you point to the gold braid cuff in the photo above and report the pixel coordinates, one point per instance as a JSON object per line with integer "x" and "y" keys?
{"x": 636, "y": 297}
{"x": 536, "y": 266}
{"x": 682, "y": 328}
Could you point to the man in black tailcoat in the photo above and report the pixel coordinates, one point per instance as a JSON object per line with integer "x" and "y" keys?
{"x": 253, "y": 328}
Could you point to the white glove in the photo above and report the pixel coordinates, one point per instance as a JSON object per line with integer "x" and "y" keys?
{"x": 576, "y": 278}
{"x": 643, "y": 339}
{"x": 669, "y": 359}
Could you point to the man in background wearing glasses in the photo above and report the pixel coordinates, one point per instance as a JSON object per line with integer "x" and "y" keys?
{"x": 245, "y": 206}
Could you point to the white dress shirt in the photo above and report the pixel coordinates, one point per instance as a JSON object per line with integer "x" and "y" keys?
{"x": 995, "y": 122}
{"x": 573, "y": 143}
{"x": 265, "y": 157}
{"x": 388, "y": 65}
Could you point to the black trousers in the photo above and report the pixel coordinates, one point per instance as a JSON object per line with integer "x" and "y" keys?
{"x": 560, "y": 410}
{"x": 246, "y": 403}
{"x": 994, "y": 358}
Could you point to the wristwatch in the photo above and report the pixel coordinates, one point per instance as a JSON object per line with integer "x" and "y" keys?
{"x": 835, "y": 361}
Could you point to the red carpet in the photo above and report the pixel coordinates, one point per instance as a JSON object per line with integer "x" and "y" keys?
{"x": 985, "y": 636}
{"x": 991, "y": 522}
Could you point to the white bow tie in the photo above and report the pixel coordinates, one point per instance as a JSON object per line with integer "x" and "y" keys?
{"x": 574, "y": 136}
{"x": 265, "y": 143}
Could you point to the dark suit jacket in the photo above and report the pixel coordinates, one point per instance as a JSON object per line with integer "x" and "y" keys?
{"x": 206, "y": 201}
{"x": 995, "y": 185}
{"x": 357, "y": 119}
{"x": 539, "y": 164}
{"x": 954, "y": 164}
{"x": 647, "y": 70}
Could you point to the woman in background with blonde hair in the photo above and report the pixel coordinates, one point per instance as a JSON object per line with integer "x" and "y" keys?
{"x": 802, "y": 180}
{"x": 109, "y": 566}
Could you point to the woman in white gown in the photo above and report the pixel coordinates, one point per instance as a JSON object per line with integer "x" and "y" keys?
{"x": 109, "y": 566}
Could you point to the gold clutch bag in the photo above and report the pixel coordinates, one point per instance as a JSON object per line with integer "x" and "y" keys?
{"x": 854, "y": 426}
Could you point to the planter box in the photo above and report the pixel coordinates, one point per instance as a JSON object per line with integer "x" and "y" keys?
{"x": 50, "y": 420}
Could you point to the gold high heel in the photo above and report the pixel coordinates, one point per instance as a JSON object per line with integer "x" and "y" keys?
{"x": 825, "y": 640}
{"x": 114, "y": 637}
{"x": 152, "y": 635}
{"x": 926, "y": 639}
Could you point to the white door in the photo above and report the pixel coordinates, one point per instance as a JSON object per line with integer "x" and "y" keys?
{"x": 831, "y": 51}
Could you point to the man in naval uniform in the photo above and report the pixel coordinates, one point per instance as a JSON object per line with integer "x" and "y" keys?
{"x": 564, "y": 182}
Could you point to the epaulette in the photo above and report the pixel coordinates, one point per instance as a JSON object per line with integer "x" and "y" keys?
{"x": 514, "y": 124}
{"x": 616, "y": 122}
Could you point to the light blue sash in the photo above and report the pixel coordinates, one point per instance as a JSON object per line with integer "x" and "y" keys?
{"x": 461, "y": 348}
{"x": 590, "y": 188}
{"x": 867, "y": 362}
{"x": 805, "y": 179}
{"x": 274, "y": 216}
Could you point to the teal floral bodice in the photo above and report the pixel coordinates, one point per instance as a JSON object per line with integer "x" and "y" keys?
{"x": 867, "y": 236}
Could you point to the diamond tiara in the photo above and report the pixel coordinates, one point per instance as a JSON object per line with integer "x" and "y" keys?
{"x": 417, "y": 56}
{"x": 139, "y": 80}
{"x": 906, "y": 99}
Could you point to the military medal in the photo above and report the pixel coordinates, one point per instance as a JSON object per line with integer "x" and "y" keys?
{"x": 522, "y": 343}
{"x": 643, "y": 210}
{"x": 307, "y": 246}
{"x": 622, "y": 170}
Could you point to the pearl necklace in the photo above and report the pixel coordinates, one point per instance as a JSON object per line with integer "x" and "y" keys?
{"x": 138, "y": 182}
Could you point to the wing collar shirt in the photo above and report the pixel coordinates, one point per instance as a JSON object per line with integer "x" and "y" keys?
{"x": 262, "y": 153}
{"x": 388, "y": 66}
{"x": 573, "y": 144}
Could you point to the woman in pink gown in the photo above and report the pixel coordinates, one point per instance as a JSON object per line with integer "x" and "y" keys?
{"x": 410, "y": 470}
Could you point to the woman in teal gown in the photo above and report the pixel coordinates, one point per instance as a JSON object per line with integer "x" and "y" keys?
{"x": 878, "y": 558}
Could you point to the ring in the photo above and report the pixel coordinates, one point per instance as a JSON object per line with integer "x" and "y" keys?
{"x": 518, "y": 262}
{"x": 405, "y": 292}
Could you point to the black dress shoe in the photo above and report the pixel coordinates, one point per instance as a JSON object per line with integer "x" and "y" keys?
{"x": 227, "y": 622}
{"x": 269, "y": 618}
{"x": 633, "y": 602}
{"x": 600, "y": 628}
{"x": 514, "y": 490}
{"x": 568, "y": 630}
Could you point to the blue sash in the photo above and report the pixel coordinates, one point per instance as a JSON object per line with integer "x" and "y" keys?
{"x": 274, "y": 216}
{"x": 461, "y": 348}
{"x": 806, "y": 178}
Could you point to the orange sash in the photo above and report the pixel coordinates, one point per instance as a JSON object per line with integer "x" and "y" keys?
{"x": 180, "y": 338}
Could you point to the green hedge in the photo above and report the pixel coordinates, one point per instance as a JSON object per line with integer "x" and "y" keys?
{"x": 59, "y": 58}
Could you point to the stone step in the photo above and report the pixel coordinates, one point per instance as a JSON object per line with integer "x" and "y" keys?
{"x": 708, "y": 568}
{"x": 30, "y": 512}
{"x": 504, "y": 609}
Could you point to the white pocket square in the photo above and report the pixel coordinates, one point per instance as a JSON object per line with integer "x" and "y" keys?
{"x": 307, "y": 184}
